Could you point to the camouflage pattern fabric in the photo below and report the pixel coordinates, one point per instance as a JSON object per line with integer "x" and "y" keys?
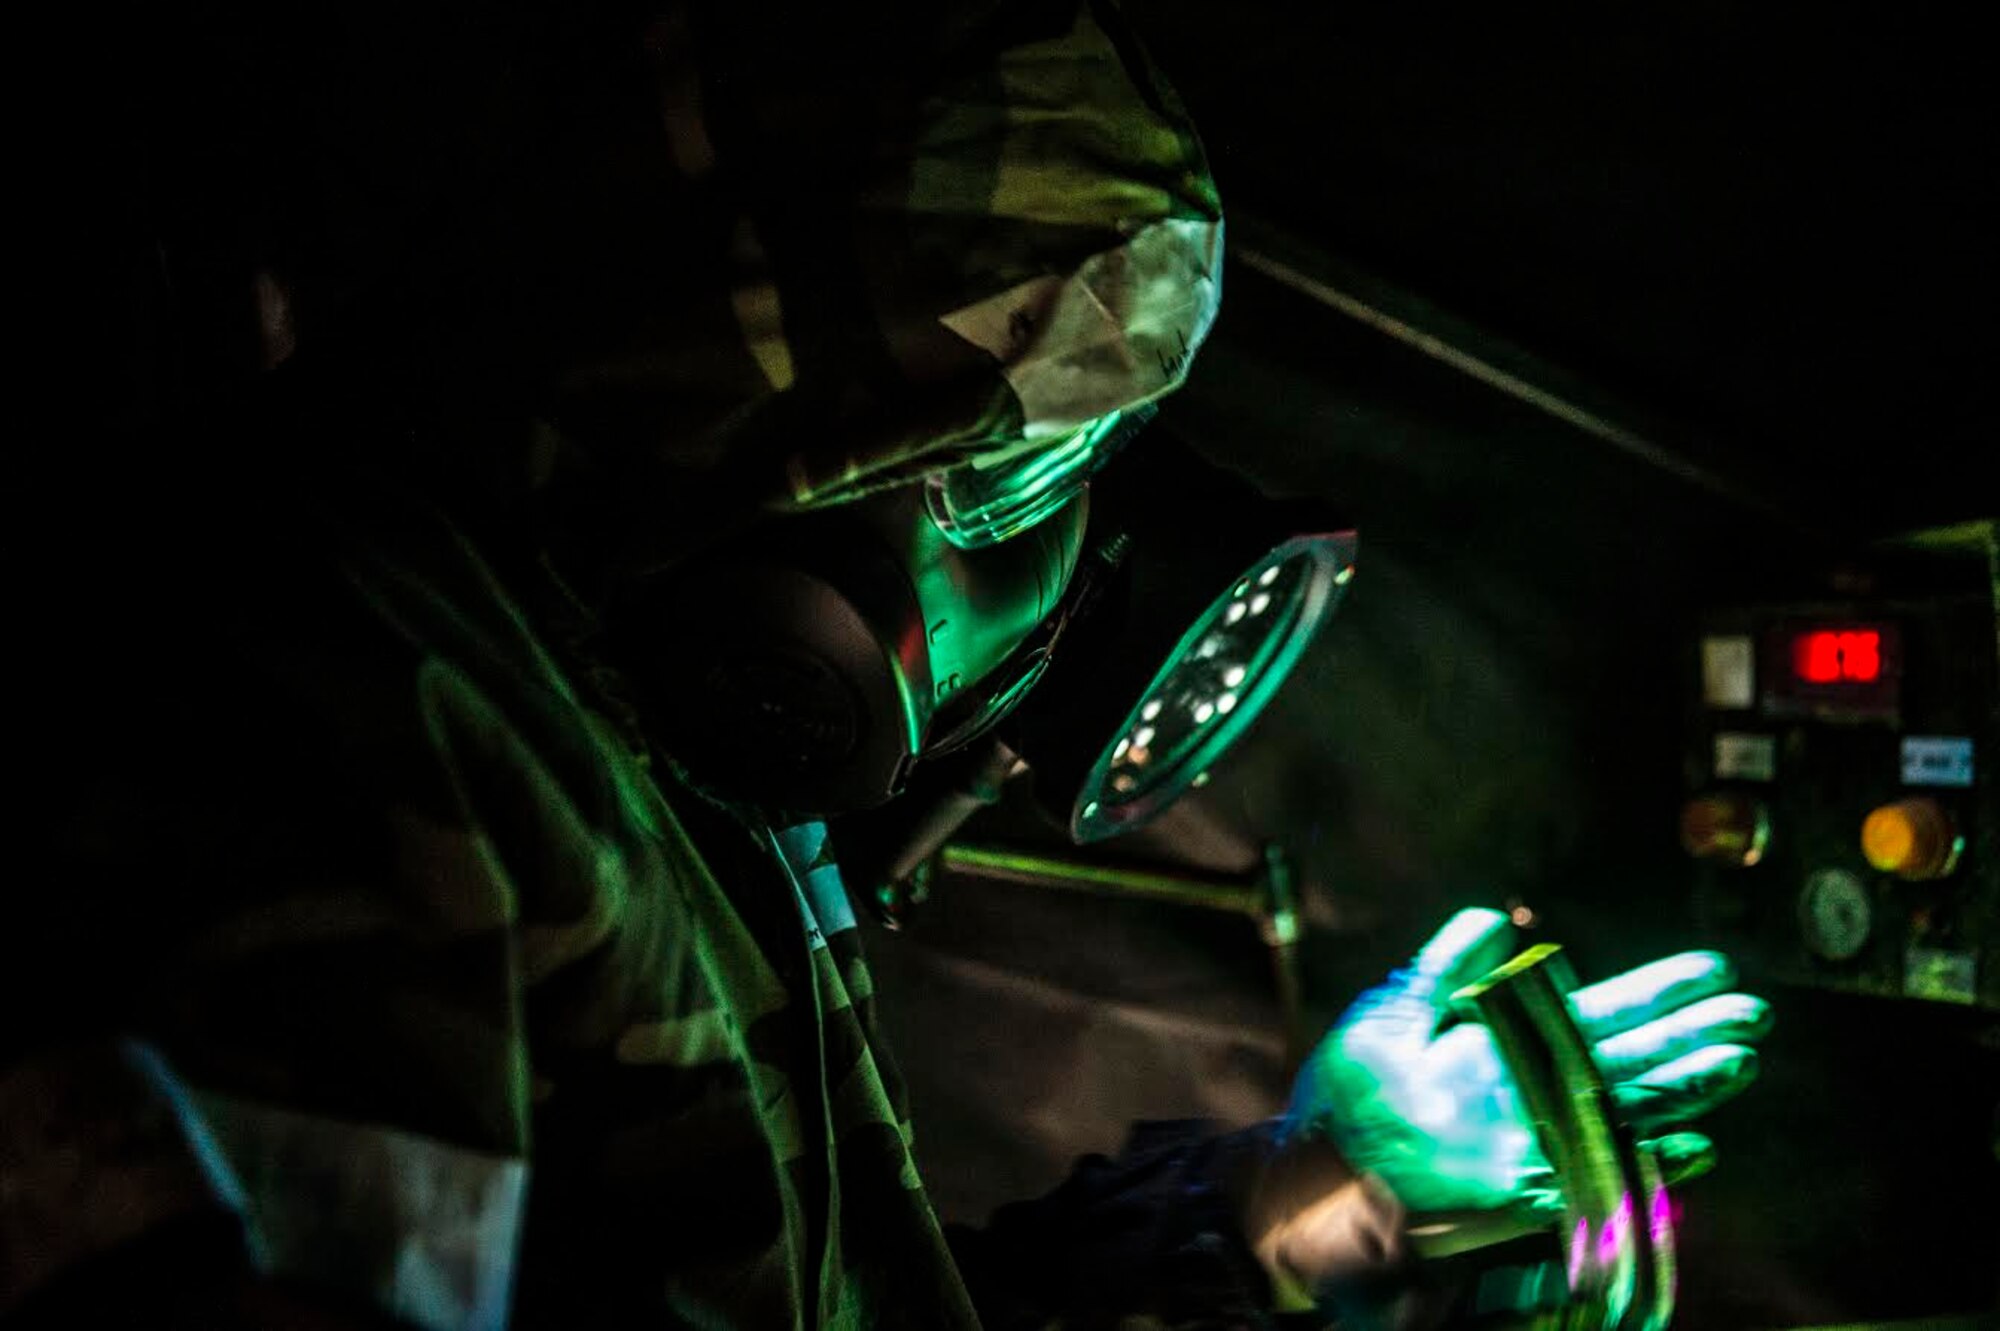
{"x": 431, "y": 930}
{"x": 368, "y": 949}
{"x": 453, "y": 1012}
{"x": 935, "y": 230}
{"x": 730, "y": 255}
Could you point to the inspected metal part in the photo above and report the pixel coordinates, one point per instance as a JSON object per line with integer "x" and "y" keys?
{"x": 1618, "y": 1230}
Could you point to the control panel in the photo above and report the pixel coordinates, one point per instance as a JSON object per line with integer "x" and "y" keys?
{"x": 1841, "y": 814}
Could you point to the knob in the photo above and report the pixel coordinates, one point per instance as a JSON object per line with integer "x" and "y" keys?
{"x": 1915, "y": 839}
{"x": 1726, "y": 827}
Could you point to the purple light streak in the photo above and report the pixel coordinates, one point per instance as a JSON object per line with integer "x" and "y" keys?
{"x": 1663, "y": 1218}
{"x": 1617, "y": 1233}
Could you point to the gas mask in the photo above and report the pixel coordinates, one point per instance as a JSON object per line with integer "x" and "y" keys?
{"x": 1116, "y": 617}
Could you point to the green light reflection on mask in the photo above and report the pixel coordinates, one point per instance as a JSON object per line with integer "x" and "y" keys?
{"x": 984, "y": 503}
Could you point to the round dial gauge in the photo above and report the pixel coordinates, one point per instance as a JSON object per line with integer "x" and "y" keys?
{"x": 1835, "y": 914}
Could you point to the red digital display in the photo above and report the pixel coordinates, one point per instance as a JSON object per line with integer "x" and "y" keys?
{"x": 1838, "y": 656}
{"x": 1825, "y": 665}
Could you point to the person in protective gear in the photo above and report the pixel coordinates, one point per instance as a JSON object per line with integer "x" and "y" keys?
{"x": 386, "y": 965}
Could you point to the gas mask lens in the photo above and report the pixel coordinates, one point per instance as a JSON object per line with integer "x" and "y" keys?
{"x": 1215, "y": 682}
{"x": 985, "y": 502}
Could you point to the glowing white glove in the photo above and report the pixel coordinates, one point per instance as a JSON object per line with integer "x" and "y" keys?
{"x": 1423, "y": 1106}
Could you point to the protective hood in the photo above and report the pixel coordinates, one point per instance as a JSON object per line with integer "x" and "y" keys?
{"x": 735, "y": 255}
{"x": 886, "y": 248}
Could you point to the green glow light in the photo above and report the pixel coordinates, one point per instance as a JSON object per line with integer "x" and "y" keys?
{"x": 986, "y": 502}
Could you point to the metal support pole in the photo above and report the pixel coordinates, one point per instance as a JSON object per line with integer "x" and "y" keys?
{"x": 1268, "y": 897}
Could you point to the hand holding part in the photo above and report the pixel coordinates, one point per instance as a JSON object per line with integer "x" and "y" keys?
{"x": 1403, "y": 1094}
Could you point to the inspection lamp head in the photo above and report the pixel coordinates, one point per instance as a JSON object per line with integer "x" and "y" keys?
{"x": 1219, "y": 592}
{"x": 1214, "y": 683}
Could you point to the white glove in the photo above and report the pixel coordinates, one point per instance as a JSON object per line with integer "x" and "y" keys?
{"x": 1402, "y": 1109}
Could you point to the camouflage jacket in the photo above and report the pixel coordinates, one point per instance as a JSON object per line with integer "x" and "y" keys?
{"x": 382, "y": 964}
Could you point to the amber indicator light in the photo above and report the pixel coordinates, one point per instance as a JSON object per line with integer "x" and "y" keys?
{"x": 1912, "y": 838}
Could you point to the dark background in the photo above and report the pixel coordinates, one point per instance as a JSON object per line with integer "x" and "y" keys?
{"x": 1755, "y": 239}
